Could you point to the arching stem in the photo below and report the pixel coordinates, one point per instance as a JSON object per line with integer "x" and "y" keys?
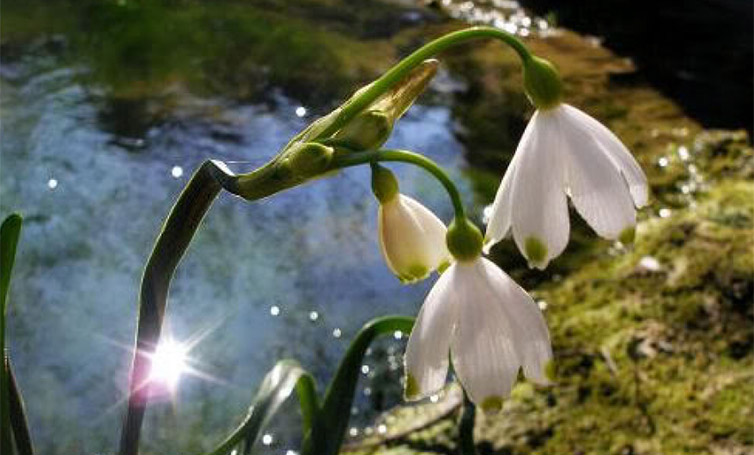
{"x": 351, "y": 159}
{"x": 400, "y": 70}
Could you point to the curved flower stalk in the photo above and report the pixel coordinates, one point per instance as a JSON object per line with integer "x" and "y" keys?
{"x": 564, "y": 152}
{"x": 412, "y": 238}
{"x": 349, "y": 136}
{"x": 489, "y": 324}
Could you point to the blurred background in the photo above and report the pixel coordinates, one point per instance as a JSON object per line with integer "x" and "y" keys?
{"x": 107, "y": 107}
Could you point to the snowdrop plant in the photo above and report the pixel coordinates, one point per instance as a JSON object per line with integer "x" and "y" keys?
{"x": 564, "y": 152}
{"x": 475, "y": 320}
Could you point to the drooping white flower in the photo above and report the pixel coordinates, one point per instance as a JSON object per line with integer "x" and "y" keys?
{"x": 565, "y": 152}
{"x": 491, "y": 327}
{"x": 412, "y": 238}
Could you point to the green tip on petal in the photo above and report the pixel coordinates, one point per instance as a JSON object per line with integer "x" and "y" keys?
{"x": 412, "y": 391}
{"x": 536, "y": 251}
{"x": 443, "y": 266}
{"x": 492, "y": 405}
{"x": 627, "y": 235}
{"x": 550, "y": 370}
{"x": 416, "y": 272}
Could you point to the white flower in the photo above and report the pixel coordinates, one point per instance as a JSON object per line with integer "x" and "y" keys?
{"x": 412, "y": 238}
{"x": 491, "y": 327}
{"x": 566, "y": 152}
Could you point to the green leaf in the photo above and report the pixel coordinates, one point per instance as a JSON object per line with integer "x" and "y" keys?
{"x": 18, "y": 421}
{"x": 276, "y": 387}
{"x": 9, "y": 234}
{"x": 329, "y": 428}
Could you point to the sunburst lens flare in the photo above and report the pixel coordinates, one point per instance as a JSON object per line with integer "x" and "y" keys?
{"x": 169, "y": 362}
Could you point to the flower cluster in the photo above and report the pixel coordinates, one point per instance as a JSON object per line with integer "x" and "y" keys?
{"x": 490, "y": 326}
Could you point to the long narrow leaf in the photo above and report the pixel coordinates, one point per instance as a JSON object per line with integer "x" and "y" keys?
{"x": 176, "y": 235}
{"x": 9, "y": 234}
{"x": 330, "y": 426}
{"x": 276, "y": 387}
{"x": 18, "y": 421}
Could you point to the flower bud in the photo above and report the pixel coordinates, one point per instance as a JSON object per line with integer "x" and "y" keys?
{"x": 542, "y": 82}
{"x": 369, "y": 130}
{"x": 305, "y": 160}
{"x": 412, "y": 238}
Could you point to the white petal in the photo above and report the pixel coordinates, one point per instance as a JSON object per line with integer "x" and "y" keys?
{"x": 499, "y": 329}
{"x": 412, "y": 238}
{"x": 540, "y": 209}
{"x": 532, "y": 338}
{"x": 597, "y": 189}
{"x": 618, "y": 153}
{"x": 500, "y": 218}
{"x": 428, "y": 345}
{"x": 434, "y": 232}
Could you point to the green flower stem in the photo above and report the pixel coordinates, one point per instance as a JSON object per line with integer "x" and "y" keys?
{"x": 329, "y": 428}
{"x": 350, "y": 159}
{"x": 399, "y": 71}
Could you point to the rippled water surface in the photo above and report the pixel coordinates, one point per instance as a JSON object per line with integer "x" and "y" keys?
{"x": 291, "y": 276}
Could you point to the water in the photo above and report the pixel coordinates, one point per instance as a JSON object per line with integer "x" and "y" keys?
{"x": 262, "y": 281}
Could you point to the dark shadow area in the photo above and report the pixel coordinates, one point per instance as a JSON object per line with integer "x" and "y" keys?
{"x": 698, "y": 52}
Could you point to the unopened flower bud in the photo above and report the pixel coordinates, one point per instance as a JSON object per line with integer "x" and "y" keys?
{"x": 369, "y": 130}
{"x": 412, "y": 238}
{"x": 305, "y": 160}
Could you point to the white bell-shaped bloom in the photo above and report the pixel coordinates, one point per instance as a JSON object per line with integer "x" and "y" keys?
{"x": 412, "y": 238}
{"x": 565, "y": 152}
{"x": 491, "y": 327}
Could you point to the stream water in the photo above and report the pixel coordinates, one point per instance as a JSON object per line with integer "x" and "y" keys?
{"x": 291, "y": 276}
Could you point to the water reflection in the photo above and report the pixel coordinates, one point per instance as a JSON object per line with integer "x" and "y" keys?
{"x": 507, "y": 15}
{"x": 291, "y": 277}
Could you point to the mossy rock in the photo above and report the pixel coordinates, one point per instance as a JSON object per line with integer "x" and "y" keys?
{"x": 653, "y": 345}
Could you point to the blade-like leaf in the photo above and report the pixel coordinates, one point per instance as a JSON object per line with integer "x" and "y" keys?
{"x": 329, "y": 428}
{"x": 9, "y": 233}
{"x": 18, "y": 421}
{"x": 276, "y": 387}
